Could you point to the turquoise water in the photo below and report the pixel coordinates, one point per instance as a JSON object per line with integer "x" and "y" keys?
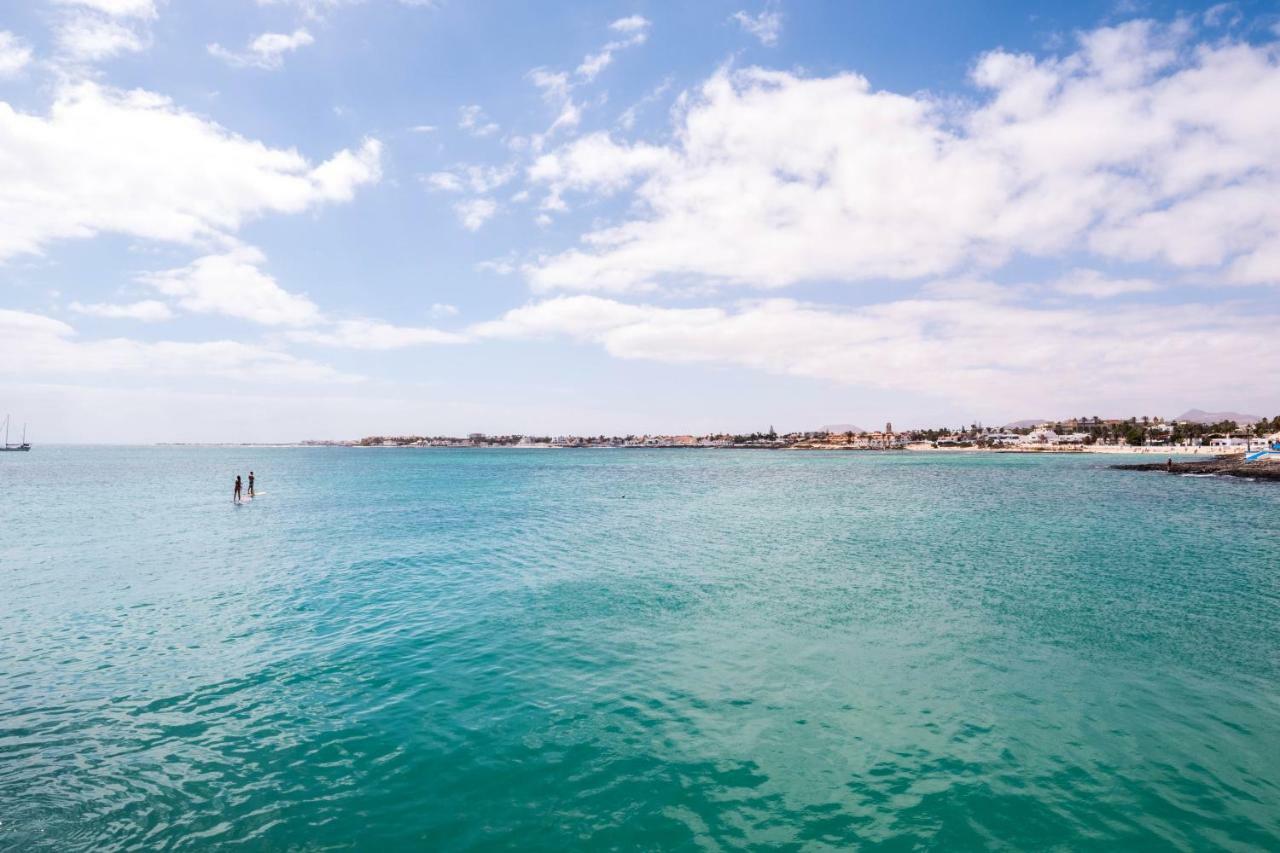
{"x": 460, "y": 649}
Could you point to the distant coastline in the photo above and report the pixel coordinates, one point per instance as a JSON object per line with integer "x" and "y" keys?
{"x": 1195, "y": 433}
{"x": 1203, "y": 452}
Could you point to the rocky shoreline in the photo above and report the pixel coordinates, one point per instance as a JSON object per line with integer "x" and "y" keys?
{"x": 1232, "y": 467}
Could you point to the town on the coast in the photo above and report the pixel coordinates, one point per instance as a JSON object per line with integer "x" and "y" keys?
{"x": 1194, "y": 432}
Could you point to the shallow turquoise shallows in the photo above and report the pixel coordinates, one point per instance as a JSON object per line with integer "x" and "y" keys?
{"x": 456, "y": 649}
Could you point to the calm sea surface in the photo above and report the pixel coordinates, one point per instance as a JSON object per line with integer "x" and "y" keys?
{"x": 634, "y": 649}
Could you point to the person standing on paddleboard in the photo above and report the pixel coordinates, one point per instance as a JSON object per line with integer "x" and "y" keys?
{"x": 235, "y": 498}
{"x": 250, "y": 484}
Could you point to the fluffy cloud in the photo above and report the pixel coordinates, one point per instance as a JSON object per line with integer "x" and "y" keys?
{"x": 234, "y": 284}
{"x": 557, "y": 86}
{"x": 93, "y": 30}
{"x": 766, "y": 26}
{"x": 1086, "y": 282}
{"x": 147, "y": 310}
{"x": 267, "y": 51}
{"x": 15, "y": 54}
{"x": 33, "y": 345}
{"x": 1142, "y": 145}
{"x": 92, "y": 38}
{"x": 374, "y": 335}
{"x": 998, "y": 355}
{"x": 472, "y": 119}
{"x": 133, "y": 163}
{"x": 479, "y": 179}
{"x": 115, "y": 8}
{"x": 474, "y": 213}
{"x": 635, "y": 29}
{"x": 630, "y": 24}
{"x": 594, "y": 163}
{"x": 318, "y": 8}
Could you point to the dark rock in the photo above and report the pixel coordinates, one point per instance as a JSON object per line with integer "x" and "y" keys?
{"x": 1231, "y": 466}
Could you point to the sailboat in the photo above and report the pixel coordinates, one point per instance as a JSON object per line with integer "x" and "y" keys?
{"x": 13, "y": 447}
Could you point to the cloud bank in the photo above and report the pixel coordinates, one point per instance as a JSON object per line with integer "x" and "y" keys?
{"x": 1143, "y": 145}
{"x": 131, "y": 162}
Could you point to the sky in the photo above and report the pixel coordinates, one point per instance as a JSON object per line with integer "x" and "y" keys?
{"x": 276, "y": 220}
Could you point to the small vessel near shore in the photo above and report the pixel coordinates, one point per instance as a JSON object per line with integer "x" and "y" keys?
{"x": 22, "y": 445}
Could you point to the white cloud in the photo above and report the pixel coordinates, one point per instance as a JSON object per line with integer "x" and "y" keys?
{"x": 557, "y": 87}
{"x": 474, "y": 213}
{"x": 472, "y": 119}
{"x": 497, "y": 266}
{"x": 15, "y": 54}
{"x": 995, "y": 355}
{"x": 92, "y": 38}
{"x": 630, "y": 24}
{"x": 766, "y": 26}
{"x": 636, "y": 30}
{"x": 594, "y": 63}
{"x": 1087, "y": 282}
{"x": 423, "y": 128}
{"x": 483, "y": 179}
{"x": 554, "y": 85}
{"x": 318, "y": 8}
{"x": 1139, "y": 146}
{"x": 132, "y": 163}
{"x": 374, "y": 335}
{"x": 627, "y": 120}
{"x": 32, "y": 346}
{"x": 595, "y": 163}
{"x": 147, "y": 310}
{"x": 267, "y": 51}
{"x": 115, "y": 8}
{"x": 338, "y": 178}
{"x": 1223, "y": 15}
{"x": 234, "y": 284}
{"x": 444, "y": 182}
{"x": 479, "y": 179}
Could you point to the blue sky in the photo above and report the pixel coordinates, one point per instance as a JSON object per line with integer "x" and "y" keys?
{"x": 283, "y": 219}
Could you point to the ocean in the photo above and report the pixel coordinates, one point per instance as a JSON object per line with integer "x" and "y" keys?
{"x": 631, "y": 649}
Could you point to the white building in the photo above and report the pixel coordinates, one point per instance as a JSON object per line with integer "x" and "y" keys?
{"x": 1041, "y": 436}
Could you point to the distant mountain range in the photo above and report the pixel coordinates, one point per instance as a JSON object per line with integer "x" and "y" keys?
{"x": 1199, "y": 416}
{"x": 838, "y": 428}
{"x": 1029, "y": 422}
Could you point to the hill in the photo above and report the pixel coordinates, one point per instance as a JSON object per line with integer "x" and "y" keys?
{"x": 1200, "y": 416}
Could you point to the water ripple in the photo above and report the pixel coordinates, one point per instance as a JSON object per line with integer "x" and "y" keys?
{"x": 634, "y": 650}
